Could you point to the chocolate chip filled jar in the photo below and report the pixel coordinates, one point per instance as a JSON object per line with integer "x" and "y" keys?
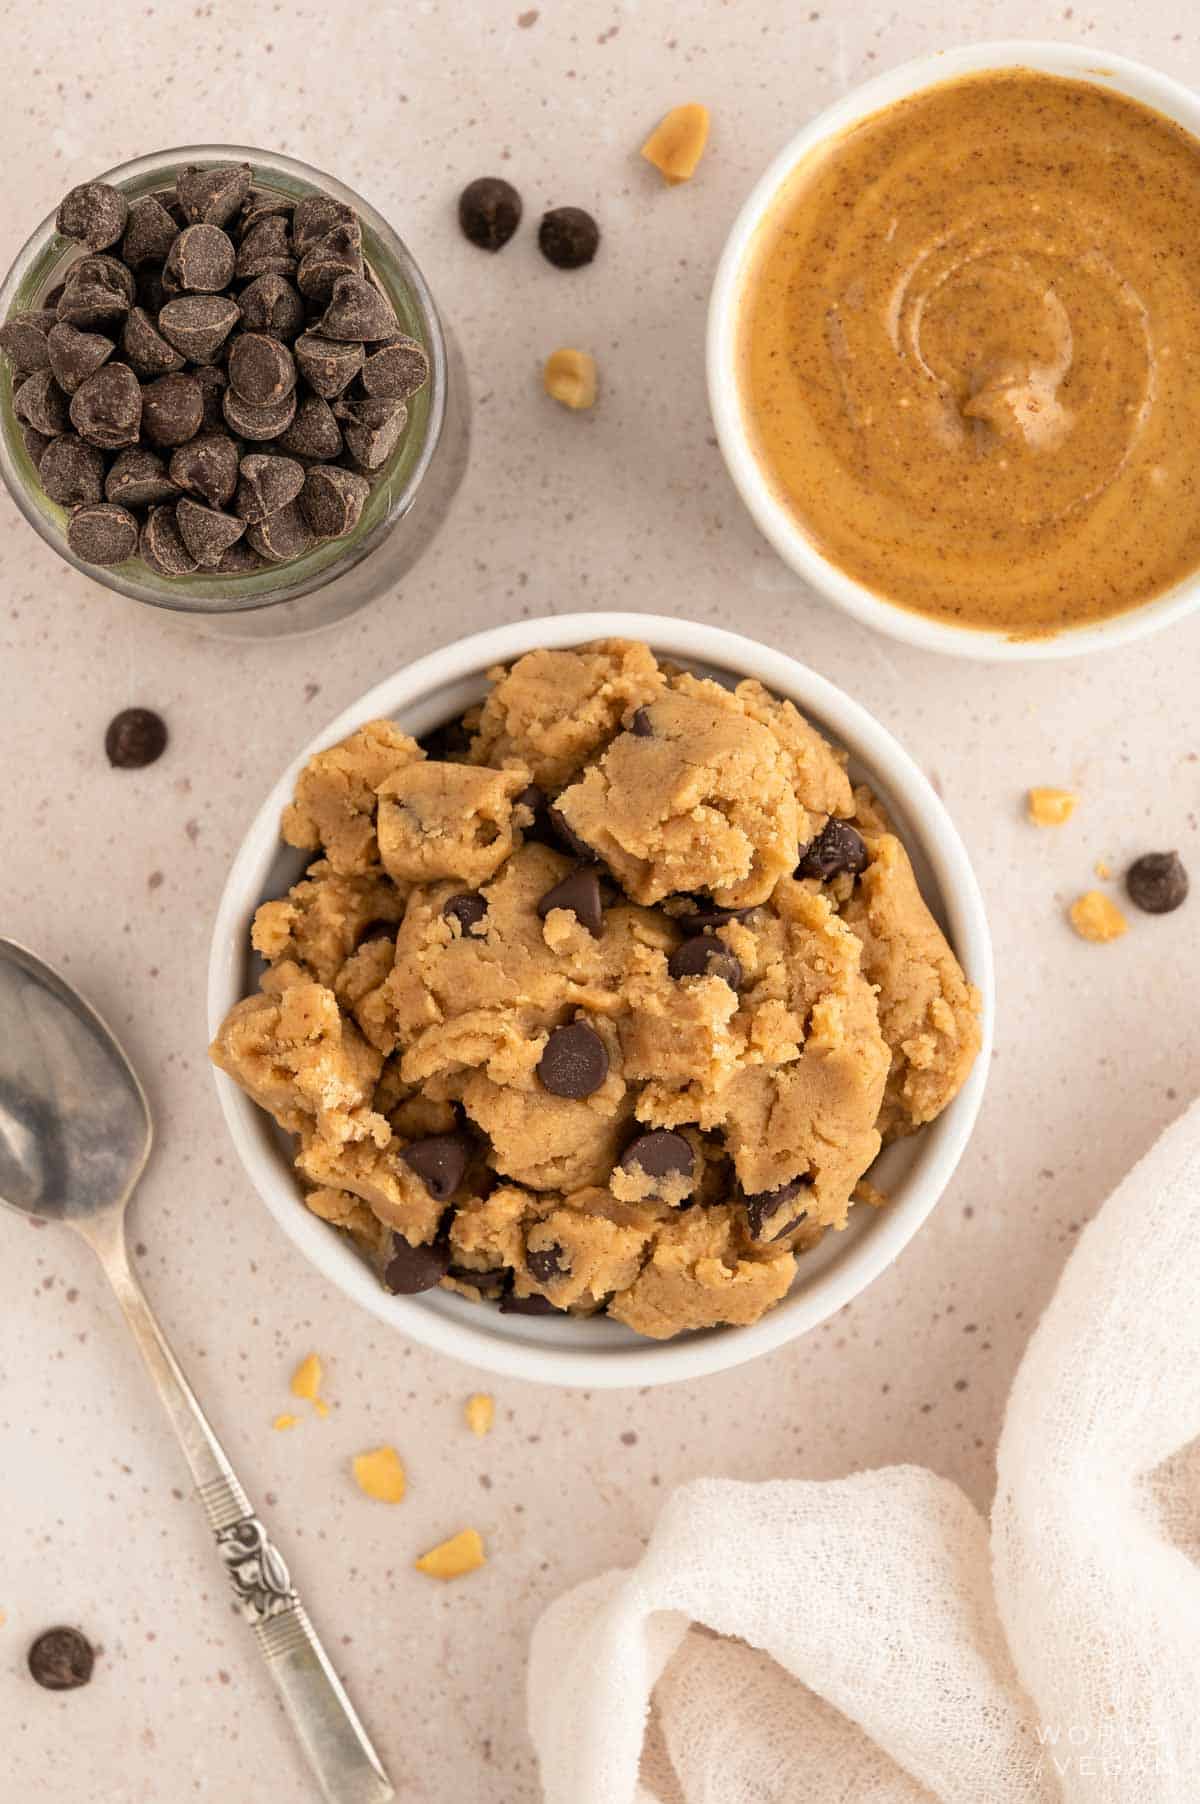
{"x": 296, "y": 580}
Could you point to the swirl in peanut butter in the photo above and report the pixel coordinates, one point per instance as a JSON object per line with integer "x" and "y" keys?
{"x": 970, "y": 352}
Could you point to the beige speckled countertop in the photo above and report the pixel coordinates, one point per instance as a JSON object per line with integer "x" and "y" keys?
{"x": 114, "y": 876}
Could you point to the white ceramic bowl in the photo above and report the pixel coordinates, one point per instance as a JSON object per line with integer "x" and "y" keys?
{"x": 1078, "y": 62}
{"x": 595, "y": 1351}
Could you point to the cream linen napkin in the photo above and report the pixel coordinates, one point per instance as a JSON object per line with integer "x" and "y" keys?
{"x": 891, "y": 1648}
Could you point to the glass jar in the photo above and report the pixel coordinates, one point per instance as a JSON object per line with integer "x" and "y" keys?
{"x": 409, "y": 496}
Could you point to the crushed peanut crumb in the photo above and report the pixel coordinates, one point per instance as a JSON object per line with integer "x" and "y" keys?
{"x": 306, "y": 1383}
{"x": 570, "y": 377}
{"x": 1052, "y": 807}
{"x": 1096, "y": 917}
{"x": 380, "y": 1474}
{"x": 1103, "y": 871}
{"x": 676, "y": 144}
{"x": 285, "y": 1421}
{"x": 480, "y": 1412}
{"x": 451, "y": 1559}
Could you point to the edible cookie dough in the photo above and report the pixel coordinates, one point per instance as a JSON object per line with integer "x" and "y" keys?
{"x": 605, "y": 1002}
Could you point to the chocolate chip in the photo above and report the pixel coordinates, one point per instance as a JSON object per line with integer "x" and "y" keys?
{"x": 270, "y": 304}
{"x": 149, "y": 232}
{"x": 265, "y": 250}
{"x": 172, "y": 409}
{"x": 137, "y": 477}
{"x": 641, "y": 726}
{"x": 102, "y": 533}
{"x": 265, "y": 484}
{"x": 151, "y": 293}
{"x": 199, "y": 324}
{"x": 357, "y": 312}
{"x": 580, "y": 895}
{"x": 1157, "y": 882}
{"x": 837, "y": 848}
{"x": 41, "y": 403}
{"x": 410, "y": 1270}
{"x": 35, "y": 443}
{"x": 250, "y": 420}
{"x": 376, "y": 930}
{"x": 212, "y": 196}
{"x": 240, "y": 560}
{"x": 161, "y": 545}
{"x": 448, "y": 741}
{"x": 337, "y": 253}
{"x": 488, "y": 1281}
{"x": 207, "y": 466}
{"x": 313, "y": 433}
{"x": 332, "y": 500}
{"x": 145, "y": 347}
{"x": 23, "y": 339}
{"x": 396, "y": 370}
{"x": 135, "y": 738}
{"x": 510, "y": 1304}
{"x": 98, "y": 290}
{"x": 660, "y": 1153}
{"x": 93, "y": 214}
{"x": 371, "y": 429}
{"x": 201, "y": 260}
{"x": 107, "y": 410}
{"x": 568, "y": 237}
{"x": 327, "y": 367}
{"x": 489, "y": 212}
{"x": 469, "y": 910}
{"x": 260, "y": 204}
{"x": 261, "y": 370}
{"x": 284, "y": 534}
{"x": 533, "y": 798}
{"x": 704, "y": 955}
{"x": 762, "y": 1210}
{"x": 568, "y": 836}
{"x": 62, "y": 1659}
{"x": 574, "y": 1063}
{"x": 71, "y": 472}
{"x": 315, "y": 215}
{"x": 440, "y": 1161}
{"x": 206, "y": 531}
{"x": 705, "y": 915}
{"x": 544, "y": 1264}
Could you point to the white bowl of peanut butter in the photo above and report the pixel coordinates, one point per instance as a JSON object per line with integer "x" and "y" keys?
{"x": 954, "y": 352}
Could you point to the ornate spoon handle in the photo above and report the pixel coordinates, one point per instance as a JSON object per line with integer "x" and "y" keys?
{"x": 342, "y": 1758}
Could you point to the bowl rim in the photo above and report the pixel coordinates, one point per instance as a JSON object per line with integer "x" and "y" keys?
{"x": 774, "y": 520}
{"x": 650, "y": 1362}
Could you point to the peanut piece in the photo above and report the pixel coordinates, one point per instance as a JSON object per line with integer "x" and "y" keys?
{"x": 306, "y": 1379}
{"x": 379, "y": 1474}
{"x": 285, "y": 1421}
{"x": 570, "y": 377}
{"x": 480, "y": 1412}
{"x": 1095, "y": 917}
{"x": 676, "y": 145}
{"x": 1052, "y": 807}
{"x": 462, "y": 1553}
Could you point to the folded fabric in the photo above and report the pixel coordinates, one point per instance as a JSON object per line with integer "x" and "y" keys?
{"x": 872, "y": 1640}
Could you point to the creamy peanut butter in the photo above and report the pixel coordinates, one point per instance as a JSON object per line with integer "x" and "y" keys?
{"x": 970, "y": 352}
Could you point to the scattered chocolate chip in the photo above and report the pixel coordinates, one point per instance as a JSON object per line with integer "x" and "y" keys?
{"x": 660, "y": 1153}
{"x": 207, "y": 466}
{"x": 489, "y": 212}
{"x": 580, "y": 895}
{"x": 337, "y": 253}
{"x": 149, "y": 232}
{"x": 161, "y": 545}
{"x": 23, "y": 339}
{"x": 265, "y": 250}
{"x": 270, "y": 304}
{"x": 315, "y": 215}
{"x": 265, "y": 484}
{"x": 172, "y": 409}
{"x": 136, "y": 478}
{"x": 568, "y": 836}
{"x": 135, "y": 738}
{"x": 510, "y": 1304}
{"x": 71, "y": 472}
{"x": 469, "y": 910}
{"x": 641, "y": 726}
{"x": 411, "y": 1269}
{"x": 93, "y": 214}
{"x": 206, "y": 531}
{"x": 357, "y": 312}
{"x": 327, "y": 367}
{"x": 62, "y": 1659}
{"x": 144, "y": 346}
{"x": 313, "y": 433}
{"x": 1157, "y": 882}
{"x": 201, "y": 260}
{"x": 574, "y": 1063}
{"x": 98, "y": 290}
{"x": 199, "y": 324}
{"x": 107, "y": 409}
{"x": 704, "y": 955}
{"x": 440, "y": 1161}
{"x": 212, "y": 196}
{"x": 705, "y": 915}
{"x": 41, "y": 403}
{"x": 102, "y": 533}
{"x": 396, "y": 370}
{"x": 544, "y": 1264}
{"x": 762, "y": 1210}
{"x": 260, "y": 369}
{"x": 371, "y": 429}
{"x": 283, "y": 535}
{"x": 837, "y": 848}
{"x": 568, "y": 237}
{"x": 332, "y": 500}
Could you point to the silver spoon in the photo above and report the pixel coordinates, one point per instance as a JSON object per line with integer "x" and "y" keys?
{"x": 75, "y": 1134}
